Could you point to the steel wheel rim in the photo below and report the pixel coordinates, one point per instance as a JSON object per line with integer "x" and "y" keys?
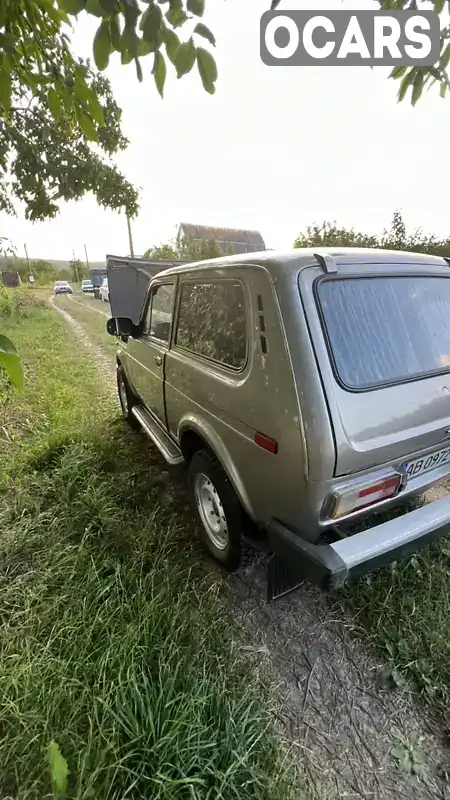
{"x": 211, "y": 511}
{"x": 123, "y": 396}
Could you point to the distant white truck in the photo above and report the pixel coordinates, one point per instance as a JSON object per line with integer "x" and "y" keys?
{"x": 104, "y": 291}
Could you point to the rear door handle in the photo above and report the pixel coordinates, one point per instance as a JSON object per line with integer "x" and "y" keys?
{"x": 158, "y": 360}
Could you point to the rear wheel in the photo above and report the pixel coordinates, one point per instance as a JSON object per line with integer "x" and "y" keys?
{"x": 217, "y": 508}
{"x": 127, "y": 399}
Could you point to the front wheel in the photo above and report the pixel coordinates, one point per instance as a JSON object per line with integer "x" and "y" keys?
{"x": 217, "y": 508}
{"x": 127, "y": 399}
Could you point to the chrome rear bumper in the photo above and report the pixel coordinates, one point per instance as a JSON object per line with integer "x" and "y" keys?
{"x": 332, "y": 565}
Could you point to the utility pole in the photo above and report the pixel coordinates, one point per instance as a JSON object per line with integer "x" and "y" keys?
{"x": 28, "y": 260}
{"x": 74, "y": 261}
{"x": 87, "y": 260}
{"x": 130, "y": 237}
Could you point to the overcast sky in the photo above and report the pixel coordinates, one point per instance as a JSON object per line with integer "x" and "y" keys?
{"x": 274, "y": 149}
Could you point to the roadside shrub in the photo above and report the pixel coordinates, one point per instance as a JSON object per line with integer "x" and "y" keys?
{"x": 19, "y": 302}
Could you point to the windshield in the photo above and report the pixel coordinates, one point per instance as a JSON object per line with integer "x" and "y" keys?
{"x": 61, "y": 283}
{"x": 386, "y": 329}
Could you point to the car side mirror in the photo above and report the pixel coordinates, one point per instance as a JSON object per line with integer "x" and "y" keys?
{"x": 122, "y": 326}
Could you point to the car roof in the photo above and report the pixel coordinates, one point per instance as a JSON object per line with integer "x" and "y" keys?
{"x": 280, "y": 262}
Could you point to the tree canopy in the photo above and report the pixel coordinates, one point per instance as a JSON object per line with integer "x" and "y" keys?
{"x": 54, "y": 106}
{"x": 413, "y": 80}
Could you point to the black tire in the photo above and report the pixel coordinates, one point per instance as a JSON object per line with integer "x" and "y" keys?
{"x": 227, "y": 511}
{"x": 126, "y": 394}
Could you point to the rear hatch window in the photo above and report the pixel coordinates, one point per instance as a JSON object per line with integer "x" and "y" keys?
{"x": 386, "y": 329}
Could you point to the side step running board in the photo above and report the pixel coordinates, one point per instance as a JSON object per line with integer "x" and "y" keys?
{"x": 158, "y": 435}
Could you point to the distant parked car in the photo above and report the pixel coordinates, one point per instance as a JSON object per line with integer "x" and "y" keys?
{"x": 87, "y": 287}
{"x": 62, "y": 287}
{"x": 104, "y": 291}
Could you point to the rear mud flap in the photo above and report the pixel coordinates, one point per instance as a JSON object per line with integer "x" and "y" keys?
{"x": 283, "y": 577}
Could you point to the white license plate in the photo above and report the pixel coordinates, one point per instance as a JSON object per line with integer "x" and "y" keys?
{"x": 427, "y": 463}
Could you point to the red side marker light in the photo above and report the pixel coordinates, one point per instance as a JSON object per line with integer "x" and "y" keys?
{"x": 266, "y": 442}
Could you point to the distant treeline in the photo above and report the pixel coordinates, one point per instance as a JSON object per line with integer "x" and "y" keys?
{"x": 396, "y": 237}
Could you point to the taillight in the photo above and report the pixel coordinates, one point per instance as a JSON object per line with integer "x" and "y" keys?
{"x": 351, "y": 499}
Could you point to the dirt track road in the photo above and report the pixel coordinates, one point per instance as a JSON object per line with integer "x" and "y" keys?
{"x": 337, "y": 721}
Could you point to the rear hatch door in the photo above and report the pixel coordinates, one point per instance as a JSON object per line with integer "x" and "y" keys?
{"x": 383, "y": 347}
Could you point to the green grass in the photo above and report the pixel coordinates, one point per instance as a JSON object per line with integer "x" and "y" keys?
{"x": 404, "y": 612}
{"x": 114, "y": 640}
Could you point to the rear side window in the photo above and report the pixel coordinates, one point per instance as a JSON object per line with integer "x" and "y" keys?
{"x": 212, "y": 321}
{"x": 386, "y": 329}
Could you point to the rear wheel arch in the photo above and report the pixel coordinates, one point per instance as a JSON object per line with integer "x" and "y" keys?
{"x": 192, "y": 440}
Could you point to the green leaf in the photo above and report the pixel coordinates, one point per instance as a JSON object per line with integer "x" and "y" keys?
{"x": 176, "y": 17}
{"x": 126, "y": 57}
{"x": 417, "y": 88}
{"x": 86, "y": 125}
{"x": 398, "y": 752}
{"x": 207, "y": 69}
{"x": 10, "y": 361}
{"x": 398, "y": 72}
{"x": 54, "y": 104}
{"x": 109, "y": 7}
{"x": 439, "y": 6}
{"x": 196, "y": 7}
{"x": 93, "y": 7}
{"x": 172, "y": 43}
{"x": 202, "y": 30}
{"x": 398, "y": 678}
{"x": 114, "y": 32}
{"x": 7, "y": 346}
{"x": 445, "y": 57}
{"x": 144, "y": 48}
{"x": 59, "y": 770}
{"x": 185, "y": 58}
{"x": 443, "y": 90}
{"x": 151, "y": 23}
{"x": 128, "y": 44}
{"x": 95, "y": 109}
{"x": 5, "y": 90}
{"x": 160, "y": 72}
{"x": 138, "y": 70}
{"x": 405, "y": 84}
{"x": 72, "y": 6}
{"x": 102, "y": 46}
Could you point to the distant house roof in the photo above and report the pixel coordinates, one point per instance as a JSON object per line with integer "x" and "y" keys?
{"x": 239, "y": 241}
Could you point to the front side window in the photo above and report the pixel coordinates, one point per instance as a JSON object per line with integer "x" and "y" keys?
{"x": 159, "y": 314}
{"x": 386, "y": 329}
{"x": 212, "y": 321}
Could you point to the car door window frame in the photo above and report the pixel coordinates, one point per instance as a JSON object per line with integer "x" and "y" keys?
{"x": 194, "y": 279}
{"x": 149, "y": 307}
